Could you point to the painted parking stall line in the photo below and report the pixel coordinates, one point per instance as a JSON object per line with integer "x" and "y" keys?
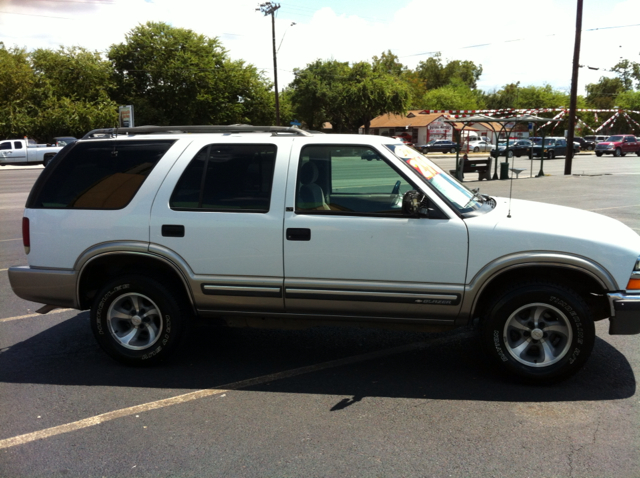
{"x": 28, "y": 316}
{"x": 187, "y": 397}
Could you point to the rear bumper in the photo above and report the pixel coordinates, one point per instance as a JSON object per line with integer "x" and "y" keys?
{"x": 46, "y": 286}
{"x": 625, "y": 314}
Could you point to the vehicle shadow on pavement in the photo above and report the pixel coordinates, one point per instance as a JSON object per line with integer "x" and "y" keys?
{"x": 450, "y": 366}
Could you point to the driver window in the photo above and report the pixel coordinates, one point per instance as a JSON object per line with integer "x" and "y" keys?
{"x": 348, "y": 179}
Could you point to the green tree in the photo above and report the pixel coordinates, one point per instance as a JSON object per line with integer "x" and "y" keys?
{"x": 346, "y": 96}
{"x": 540, "y": 97}
{"x": 455, "y": 96}
{"x": 628, "y": 71}
{"x": 53, "y": 93}
{"x": 602, "y": 95}
{"x": 175, "y": 76}
{"x": 369, "y": 93}
{"x": 316, "y": 93}
{"x": 435, "y": 74}
{"x": 16, "y": 83}
{"x": 629, "y": 100}
{"x": 388, "y": 63}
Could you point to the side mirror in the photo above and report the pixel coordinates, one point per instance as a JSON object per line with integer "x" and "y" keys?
{"x": 412, "y": 204}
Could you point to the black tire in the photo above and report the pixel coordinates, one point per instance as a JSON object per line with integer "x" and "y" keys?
{"x": 476, "y": 150}
{"x": 516, "y": 331}
{"x": 638, "y": 153}
{"x": 453, "y": 151}
{"x": 618, "y": 152}
{"x": 136, "y": 338}
{"x": 46, "y": 160}
{"x": 510, "y": 154}
{"x": 598, "y": 153}
{"x": 552, "y": 155}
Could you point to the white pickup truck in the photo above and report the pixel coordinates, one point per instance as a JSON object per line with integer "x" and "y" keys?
{"x": 21, "y": 151}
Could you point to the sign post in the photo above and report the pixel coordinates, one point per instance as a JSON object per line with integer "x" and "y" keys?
{"x": 125, "y": 116}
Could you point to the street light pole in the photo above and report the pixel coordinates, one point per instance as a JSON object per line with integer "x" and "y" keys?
{"x": 269, "y": 8}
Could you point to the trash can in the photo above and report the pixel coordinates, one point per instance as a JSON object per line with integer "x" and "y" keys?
{"x": 504, "y": 170}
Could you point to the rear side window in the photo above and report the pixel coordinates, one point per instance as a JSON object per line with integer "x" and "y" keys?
{"x": 227, "y": 177}
{"x": 97, "y": 174}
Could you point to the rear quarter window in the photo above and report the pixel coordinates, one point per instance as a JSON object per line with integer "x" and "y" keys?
{"x": 97, "y": 174}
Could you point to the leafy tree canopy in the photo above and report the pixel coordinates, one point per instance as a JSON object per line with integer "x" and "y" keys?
{"x": 176, "y": 76}
{"x": 53, "y": 93}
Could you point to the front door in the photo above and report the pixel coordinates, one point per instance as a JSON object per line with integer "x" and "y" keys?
{"x": 350, "y": 251}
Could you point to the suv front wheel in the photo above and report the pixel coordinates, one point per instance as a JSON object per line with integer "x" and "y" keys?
{"x": 137, "y": 321}
{"x": 542, "y": 332}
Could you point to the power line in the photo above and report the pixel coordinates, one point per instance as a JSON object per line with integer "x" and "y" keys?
{"x": 480, "y": 45}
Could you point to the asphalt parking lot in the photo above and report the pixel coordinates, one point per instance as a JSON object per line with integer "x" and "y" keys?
{"x": 318, "y": 402}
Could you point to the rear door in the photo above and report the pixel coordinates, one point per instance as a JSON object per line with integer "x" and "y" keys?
{"x": 630, "y": 144}
{"x": 350, "y": 251}
{"x": 219, "y": 212}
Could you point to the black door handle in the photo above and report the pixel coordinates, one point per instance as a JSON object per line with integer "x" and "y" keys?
{"x": 298, "y": 234}
{"x": 172, "y": 230}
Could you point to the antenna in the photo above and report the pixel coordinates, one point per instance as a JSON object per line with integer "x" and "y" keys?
{"x": 510, "y": 185}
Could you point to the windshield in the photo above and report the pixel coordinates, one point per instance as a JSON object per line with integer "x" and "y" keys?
{"x": 461, "y": 197}
{"x": 549, "y": 142}
{"x": 614, "y": 139}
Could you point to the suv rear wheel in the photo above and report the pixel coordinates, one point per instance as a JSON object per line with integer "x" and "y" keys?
{"x": 137, "y": 321}
{"x": 541, "y": 331}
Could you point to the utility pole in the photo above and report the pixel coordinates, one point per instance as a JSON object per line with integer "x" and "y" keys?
{"x": 269, "y": 8}
{"x": 574, "y": 91}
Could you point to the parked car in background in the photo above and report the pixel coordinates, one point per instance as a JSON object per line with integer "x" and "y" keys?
{"x": 585, "y": 144}
{"x": 553, "y": 147}
{"x": 477, "y": 146}
{"x": 619, "y": 145}
{"x": 519, "y": 147}
{"x": 25, "y": 151}
{"x": 439, "y": 145}
{"x": 595, "y": 139}
{"x": 62, "y": 141}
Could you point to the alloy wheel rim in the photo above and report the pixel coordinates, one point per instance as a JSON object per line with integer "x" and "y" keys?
{"x": 135, "y": 321}
{"x": 538, "y": 335}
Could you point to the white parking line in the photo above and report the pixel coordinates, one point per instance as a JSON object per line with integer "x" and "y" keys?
{"x": 187, "y": 397}
{"x": 7, "y": 240}
{"x": 19, "y": 317}
{"x": 615, "y": 207}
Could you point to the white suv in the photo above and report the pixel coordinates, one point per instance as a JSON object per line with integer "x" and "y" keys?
{"x": 149, "y": 227}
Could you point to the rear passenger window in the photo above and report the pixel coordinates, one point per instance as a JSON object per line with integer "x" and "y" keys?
{"x": 98, "y": 174}
{"x": 227, "y": 177}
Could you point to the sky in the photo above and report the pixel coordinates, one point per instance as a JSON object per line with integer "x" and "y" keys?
{"x": 514, "y": 41}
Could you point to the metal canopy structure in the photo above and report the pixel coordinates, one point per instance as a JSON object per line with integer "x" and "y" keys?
{"x": 491, "y": 121}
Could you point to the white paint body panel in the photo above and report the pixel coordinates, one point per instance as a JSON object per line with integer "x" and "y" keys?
{"x": 60, "y": 236}
{"x": 535, "y": 226}
{"x": 226, "y": 243}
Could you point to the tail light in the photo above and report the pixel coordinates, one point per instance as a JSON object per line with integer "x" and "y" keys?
{"x": 26, "y": 235}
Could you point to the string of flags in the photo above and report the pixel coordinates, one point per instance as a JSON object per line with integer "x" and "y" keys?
{"x": 535, "y": 111}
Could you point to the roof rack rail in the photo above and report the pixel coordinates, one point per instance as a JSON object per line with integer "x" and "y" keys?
{"x": 227, "y": 129}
